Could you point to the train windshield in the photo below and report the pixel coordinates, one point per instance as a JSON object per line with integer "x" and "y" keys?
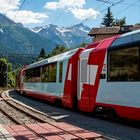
{"x": 124, "y": 64}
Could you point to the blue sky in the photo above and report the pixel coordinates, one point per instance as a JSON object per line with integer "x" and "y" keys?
{"x": 68, "y": 12}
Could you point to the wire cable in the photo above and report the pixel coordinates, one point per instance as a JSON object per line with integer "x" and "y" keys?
{"x": 60, "y": 15}
{"x": 6, "y": 30}
{"x": 132, "y": 4}
{"x": 101, "y": 11}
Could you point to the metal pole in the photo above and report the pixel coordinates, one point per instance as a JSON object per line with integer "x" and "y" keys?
{"x": 7, "y": 75}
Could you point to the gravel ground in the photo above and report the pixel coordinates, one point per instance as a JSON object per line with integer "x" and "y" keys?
{"x": 17, "y": 114}
{"x": 5, "y": 120}
{"x": 109, "y": 128}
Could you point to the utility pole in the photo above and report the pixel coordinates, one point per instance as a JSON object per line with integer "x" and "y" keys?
{"x": 6, "y": 75}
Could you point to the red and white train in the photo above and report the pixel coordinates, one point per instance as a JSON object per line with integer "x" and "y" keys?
{"x": 103, "y": 77}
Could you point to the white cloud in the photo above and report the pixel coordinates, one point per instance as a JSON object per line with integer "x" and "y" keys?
{"x": 73, "y": 6}
{"x": 51, "y": 5}
{"x": 10, "y": 7}
{"x": 65, "y": 4}
{"x": 27, "y": 17}
{"x": 84, "y": 13}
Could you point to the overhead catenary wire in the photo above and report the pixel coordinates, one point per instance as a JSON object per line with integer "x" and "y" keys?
{"x": 126, "y": 8}
{"x": 19, "y": 9}
{"x": 95, "y": 9}
{"x": 60, "y": 15}
{"x": 105, "y": 1}
{"x": 135, "y": 5}
{"x": 101, "y": 11}
{"x": 8, "y": 27}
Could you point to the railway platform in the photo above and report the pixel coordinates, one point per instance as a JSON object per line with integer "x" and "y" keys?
{"x": 45, "y": 131}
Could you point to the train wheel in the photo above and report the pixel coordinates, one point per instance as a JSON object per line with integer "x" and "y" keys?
{"x": 111, "y": 113}
{"x": 58, "y": 102}
{"x": 106, "y": 112}
{"x": 75, "y": 104}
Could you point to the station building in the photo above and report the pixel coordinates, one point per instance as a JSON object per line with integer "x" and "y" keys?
{"x": 100, "y": 33}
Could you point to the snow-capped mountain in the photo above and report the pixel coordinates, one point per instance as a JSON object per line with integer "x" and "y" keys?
{"x": 68, "y": 36}
{"x": 15, "y": 38}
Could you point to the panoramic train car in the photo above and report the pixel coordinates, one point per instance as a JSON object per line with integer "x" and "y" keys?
{"x": 52, "y": 78}
{"x": 103, "y": 78}
{"x": 109, "y": 76}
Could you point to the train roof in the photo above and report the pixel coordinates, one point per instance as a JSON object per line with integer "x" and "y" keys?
{"x": 55, "y": 58}
{"x": 85, "y": 53}
{"x": 126, "y": 39}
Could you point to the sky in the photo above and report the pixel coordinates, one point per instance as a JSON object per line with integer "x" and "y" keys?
{"x": 34, "y": 13}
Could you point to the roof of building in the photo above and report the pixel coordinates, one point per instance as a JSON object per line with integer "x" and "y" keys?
{"x": 113, "y": 30}
{"x": 104, "y": 30}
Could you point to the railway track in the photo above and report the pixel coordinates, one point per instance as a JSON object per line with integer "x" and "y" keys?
{"x": 10, "y": 108}
{"x": 41, "y": 117}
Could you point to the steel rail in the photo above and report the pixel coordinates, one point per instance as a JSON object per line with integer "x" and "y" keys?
{"x": 41, "y": 120}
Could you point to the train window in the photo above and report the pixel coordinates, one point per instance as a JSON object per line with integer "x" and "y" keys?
{"x": 52, "y": 72}
{"x": 60, "y": 71}
{"x": 49, "y": 73}
{"x": 45, "y": 73}
{"x": 32, "y": 75}
{"x": 124, "y": 64}
{"x": 83, "y": 69}
{"x": 27, "y": 76}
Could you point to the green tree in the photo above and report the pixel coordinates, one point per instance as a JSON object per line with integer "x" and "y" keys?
{"x": 108, "y": 19}
{"x": 42, "y": 54}
{"x": 6, "y": 74}
{"x": 137, "y": 24}
{"x": 82, "y": 45}
{"x": 11, "y": 76}
{"x": 3, "y": 72}
{"x": 119, "y": 22}
{"x": 58, "y": 50}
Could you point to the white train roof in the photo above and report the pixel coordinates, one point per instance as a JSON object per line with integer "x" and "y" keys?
{"x": 56, "y": 58}
{"x": 86, "y": 53}
{"x": 127, "y": 38}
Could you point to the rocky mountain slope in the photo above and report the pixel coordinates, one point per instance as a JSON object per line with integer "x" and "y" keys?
{"x": 68, "y": 36}
{"x": 15, "y": 38}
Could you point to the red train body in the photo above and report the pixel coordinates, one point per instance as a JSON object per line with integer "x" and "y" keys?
{"x": 103, "y": 77}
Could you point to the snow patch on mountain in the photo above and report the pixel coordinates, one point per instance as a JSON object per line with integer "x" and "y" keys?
{"x": 1, "y": 31}
{"x": 63, "y": 30}
{"x": 38, "y": 29}
{"x": 68, "y": 36}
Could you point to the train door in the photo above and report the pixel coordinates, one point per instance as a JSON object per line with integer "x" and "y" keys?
{"x": 83, "y": 72}
{"x": 83, "y": 81}
{"x": 21, "y": 81}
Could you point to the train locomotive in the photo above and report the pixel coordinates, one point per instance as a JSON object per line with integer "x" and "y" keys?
{"x": 102, "y": 77}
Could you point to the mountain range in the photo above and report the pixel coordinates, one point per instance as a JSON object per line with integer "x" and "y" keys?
{"x": 67, "y": 36}
{"x": 17, "y": 39}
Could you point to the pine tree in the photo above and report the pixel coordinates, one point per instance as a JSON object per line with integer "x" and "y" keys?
{"x": 120, "y": 22}
{"x": 58, "y": 50}
{"x": 108, "y": 19}
{"x": 137, "y": 24}
{"x": 42, "y": 54}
